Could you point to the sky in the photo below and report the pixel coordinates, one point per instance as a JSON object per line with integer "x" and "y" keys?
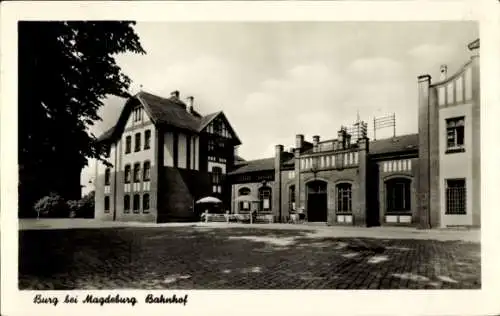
{"x": 274, "y": 80}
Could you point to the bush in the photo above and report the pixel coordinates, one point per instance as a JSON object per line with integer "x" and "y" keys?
{"x": 74, "y": 207}
{"x": 52, "y": 205}
{"x": 87, "y": 205}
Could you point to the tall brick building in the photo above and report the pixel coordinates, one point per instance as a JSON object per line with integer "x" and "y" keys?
{"x": 428, "y": 179}
{"x": 164, "y": 156}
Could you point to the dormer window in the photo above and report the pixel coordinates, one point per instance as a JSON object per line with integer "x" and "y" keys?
{"x": 455, "y": 134}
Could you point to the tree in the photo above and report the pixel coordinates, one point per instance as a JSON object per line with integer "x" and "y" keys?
{"x": 66, "y": 69}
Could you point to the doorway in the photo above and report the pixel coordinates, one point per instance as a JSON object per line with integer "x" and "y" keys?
{"x": 317, "y": 201}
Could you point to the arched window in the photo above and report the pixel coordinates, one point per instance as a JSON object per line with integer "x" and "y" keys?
{"x": 146, "y": 171}
{"x": 291, "y": 197}
{"x": 145, "y": 203}
{"x": 137, "y": 172}
{"x": 265, "y": 198}
{"x": 398, "y": 195}
{"x": 244, "y": 205}
{"x": 127, "y": 173}
{"x": 107, "y": 176}
{"x": 344, "y": 198}
{"x": 137, "y": 203}
{"x": 126, "y": 204}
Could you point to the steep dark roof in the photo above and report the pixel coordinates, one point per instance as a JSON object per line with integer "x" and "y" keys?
{"x": 207, "y": 119}
{"x": 395, "y": 144}
{"x": 238, "y": 159}
{"x": 168, "y": 111}
{"x": 107, "y": 134}
{"x": 289, "y": 162}
{"x": 163, "y": 111}
{"x": 254, "y": 165}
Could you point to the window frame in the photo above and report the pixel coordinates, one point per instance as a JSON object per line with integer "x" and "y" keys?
{"x": 137, "y": 142}
{"x": 107, "y": 176}
{"x": 263, "y": 197}
{"x": 137, "y": 172}
{"x": 341, "y": 189}
{"x": 291, "y": 197}
{"x": 126, "y": 203}
{"x": 146, "y": 206}
{"x": 127, "y": 173}
{"x": 147, "y": 139}
{"x": 107, "y": 204}
{"x": 461, "y": 191}
{"x": 146, "y": 172}
{"x": 455, "y": 134}
{"x": 128, "y": 144}
{"x": 398, "y": 189}
{"x": 138, "y": 201}
{"x": 244, "y": 191}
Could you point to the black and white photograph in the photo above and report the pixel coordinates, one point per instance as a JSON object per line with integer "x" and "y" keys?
{"x": 162, "y": 157}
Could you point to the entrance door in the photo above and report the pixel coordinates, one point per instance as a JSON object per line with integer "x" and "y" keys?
{"x": 317, "y": 206}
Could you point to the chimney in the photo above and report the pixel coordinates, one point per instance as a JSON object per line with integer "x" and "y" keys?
{"x": 190, "y": 104}
{"x": 443, "y": 72}
{"x": 174, "y": 95}
{"x": 315, "y": 142}
{"x": 341, "y": 138}
{"x": 299, "y": 141}
{"x": 347, "y": 140}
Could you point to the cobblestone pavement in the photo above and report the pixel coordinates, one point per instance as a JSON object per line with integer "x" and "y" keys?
{"x": 239, "y": 258}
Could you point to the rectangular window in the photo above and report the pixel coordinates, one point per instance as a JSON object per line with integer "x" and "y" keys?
{"x": 456, "y": 197}
{"x": 398, "y": 196}
{"x": 145, "y": 203}
{"x": 146, "y": 171}
{"x": 265, "y": 198}
{"x": 137, "y": 172}
{"x": 137, "y": 203}
{"x": 137, "y": 114}
{"x": 147, "y": 139}
{"x": 128, "y": 144}
{"x": 107, "y": 176}
{"x": 126, "y": 204}
{"x": 106, "y": 204}
{"x": 127, "y": 174}
{"x": 137, "y": 142}
{"x": 218, "y": 127}
{"x": 455, "y": 130}
{"x": 344, "y": 201}
{"x": 211, "y": 145}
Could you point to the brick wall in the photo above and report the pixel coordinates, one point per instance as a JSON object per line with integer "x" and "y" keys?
{"x": 408, "y": 172}
{"x": 254, "y": 193}
{"x": 333, "y": 177}
{"x": 424, "y": 204}
{"x": 178, "y": 189}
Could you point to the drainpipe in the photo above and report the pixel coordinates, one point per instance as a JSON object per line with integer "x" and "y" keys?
{"x": 114, "y": 186}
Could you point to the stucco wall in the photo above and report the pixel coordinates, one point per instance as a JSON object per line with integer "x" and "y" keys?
{"x": 456, "y": 165}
